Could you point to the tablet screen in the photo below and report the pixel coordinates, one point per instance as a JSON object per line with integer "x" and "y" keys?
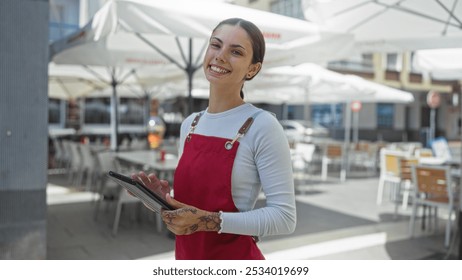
{"x": 150, "y": 198}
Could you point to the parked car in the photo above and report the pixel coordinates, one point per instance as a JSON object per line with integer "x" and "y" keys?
{"x": 303, "y": 131}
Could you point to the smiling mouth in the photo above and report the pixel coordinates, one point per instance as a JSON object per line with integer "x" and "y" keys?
{"x": 218, "y": 69}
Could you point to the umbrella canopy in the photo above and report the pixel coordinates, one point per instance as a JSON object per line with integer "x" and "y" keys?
{"x": 391, "y": 25}
{"x": 160, "y": 32}
{"x": 70, "y": 82}
{"x": 303, "y": 84}
{"x": 311, "y": 83}
{"x": 171, "y": 37}
{"x": 75, "y": 81}
{"x": 442, "y": 64}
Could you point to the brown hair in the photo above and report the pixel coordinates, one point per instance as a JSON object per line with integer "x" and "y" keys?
{"x": 256, "y": 38}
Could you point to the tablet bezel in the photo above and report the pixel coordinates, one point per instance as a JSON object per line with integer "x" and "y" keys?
{"x": 122, "y": 180}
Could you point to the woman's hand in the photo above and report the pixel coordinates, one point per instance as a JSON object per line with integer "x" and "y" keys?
{"x": 153, "y": 183}
{"x": 187, "y": 219}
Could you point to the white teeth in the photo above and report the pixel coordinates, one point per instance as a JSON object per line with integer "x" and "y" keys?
{"x": 218, "y": 69}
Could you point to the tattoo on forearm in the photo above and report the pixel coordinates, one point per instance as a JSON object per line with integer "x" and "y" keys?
{"x": 173, "y": 214}
{"x": 208, "y": 222}
{"x": 211, "y": 222}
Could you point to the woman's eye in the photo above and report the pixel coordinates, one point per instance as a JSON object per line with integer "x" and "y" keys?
{"x": 214, "y": 45}
{"x": 236, "y": 52}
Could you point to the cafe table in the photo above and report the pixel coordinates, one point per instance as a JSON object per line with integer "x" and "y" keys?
{"x": 150, "y": 160}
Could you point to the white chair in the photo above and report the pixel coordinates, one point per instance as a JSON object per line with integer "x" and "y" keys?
{"x": 75, "y": 165}
{"x": 88, "y": 166}
{"x": 60, "y": 156}
{"x": 389, "y": 172}
{"x": 302, "y": 157}
{"x": 433, "y": 188}
{"x": 406, "y": 185}
{"x": 332, "y": 155}
{"x": 107, "y": 190}
{"x": 123, "y": 198}
{"x": 363, "y": 156}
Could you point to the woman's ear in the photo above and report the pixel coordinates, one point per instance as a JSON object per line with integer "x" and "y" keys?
{"x": 253, "y": 70}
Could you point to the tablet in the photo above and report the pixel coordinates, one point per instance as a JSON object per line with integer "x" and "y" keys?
{"x": 147, "y": 196}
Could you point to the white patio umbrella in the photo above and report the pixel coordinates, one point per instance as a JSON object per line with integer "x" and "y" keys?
{"x": 316, "y": 84}
{"x": 170, "y": 36}
{"x": 391, "y": 25}
{"x": 441, "y": 64}
{"x": 71, "y": 81}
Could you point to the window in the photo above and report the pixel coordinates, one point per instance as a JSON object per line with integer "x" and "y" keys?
{"x": 362, "y": 63}
{"x": 54, "y": 111}
{"x": 64, "y": 17}
{"x": 385, "y": 113}
{"x": 132, "y": 111}
{"x": 394, "y": 62}
{"x": 328, "y": 115}
{"x": 98, "y": 111}
{"x": 291, "y": 8}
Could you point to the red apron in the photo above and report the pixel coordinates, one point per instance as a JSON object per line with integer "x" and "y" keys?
{"x": 203, "y": 179}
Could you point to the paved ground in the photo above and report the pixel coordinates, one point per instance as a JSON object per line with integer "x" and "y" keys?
{"x": 336, "y": 221}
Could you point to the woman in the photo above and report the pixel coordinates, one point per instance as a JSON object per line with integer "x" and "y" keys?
{"x": 229, "y": 153}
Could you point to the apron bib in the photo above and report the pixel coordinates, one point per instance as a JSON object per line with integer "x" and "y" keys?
{"x": 203, "y": 179}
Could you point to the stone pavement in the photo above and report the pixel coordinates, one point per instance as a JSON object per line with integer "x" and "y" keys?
{"x": 336, "y": 221}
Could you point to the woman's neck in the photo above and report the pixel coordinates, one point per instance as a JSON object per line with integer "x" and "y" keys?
{"x": 223, "y": 99}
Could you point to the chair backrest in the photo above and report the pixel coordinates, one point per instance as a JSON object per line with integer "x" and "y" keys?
{"x": 405, "y": 167}
{"x": 106, "y": 162}
{"x": 75, "y": 156}
{"x": 362, "y": 146}
{"x": 434, "y": 181}
{"x": 389, "y": 161}
{"x": 333, "y": 150}
{"x": 88, "y": 159}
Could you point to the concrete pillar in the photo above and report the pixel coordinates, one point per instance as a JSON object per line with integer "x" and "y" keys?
{"x": 379, "y": 68}
{"x": 23, "y": 128}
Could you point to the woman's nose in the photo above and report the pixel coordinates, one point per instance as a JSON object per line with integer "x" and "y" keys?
{"x": 220, "y": 56}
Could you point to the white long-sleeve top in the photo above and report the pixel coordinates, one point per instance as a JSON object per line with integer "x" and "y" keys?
{"x": 262, "y": 163}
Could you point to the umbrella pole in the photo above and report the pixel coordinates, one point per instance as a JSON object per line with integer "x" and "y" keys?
{"x": 346, "y": 142}
{"x": 190, "y": 72}
{"x": 114, "y": 116}
{"x": 190, "y": 85}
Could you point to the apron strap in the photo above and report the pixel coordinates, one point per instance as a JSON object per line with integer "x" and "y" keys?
{"x": 193, "y": 125}
{"x": 243, "y": 130}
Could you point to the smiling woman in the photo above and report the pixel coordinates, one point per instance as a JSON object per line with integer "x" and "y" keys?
{"x": 229, "y": 153}
{"x": 244, "y": 60}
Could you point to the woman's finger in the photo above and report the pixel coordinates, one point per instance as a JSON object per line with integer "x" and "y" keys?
{"x": 165, "y": 186}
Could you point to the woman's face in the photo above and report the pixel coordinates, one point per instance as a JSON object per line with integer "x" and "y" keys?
{"x": 228, "y": 59}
